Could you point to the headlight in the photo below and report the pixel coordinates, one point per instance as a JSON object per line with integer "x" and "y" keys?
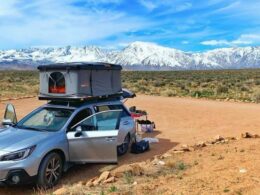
{"x": 18, "y": 155}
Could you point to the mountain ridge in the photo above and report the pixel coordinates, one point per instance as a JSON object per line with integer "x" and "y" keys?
{"x": 137, "y": 55}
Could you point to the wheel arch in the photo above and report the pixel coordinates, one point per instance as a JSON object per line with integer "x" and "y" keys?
{"x": 55, "y": 150}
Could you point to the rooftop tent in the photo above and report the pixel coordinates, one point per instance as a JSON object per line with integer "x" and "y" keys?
{"x": 79, "y": 80}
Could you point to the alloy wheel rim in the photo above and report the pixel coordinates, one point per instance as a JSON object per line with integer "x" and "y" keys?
{"x": 52, "y": 172}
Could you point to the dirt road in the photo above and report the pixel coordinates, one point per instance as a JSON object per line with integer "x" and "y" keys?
{"x": 178, "y": 121}
{"x": 189, "y": 120}
{"x": 182, "y": 119}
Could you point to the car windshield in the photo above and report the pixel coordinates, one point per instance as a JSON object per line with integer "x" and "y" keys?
{"x": 46, "y": 119}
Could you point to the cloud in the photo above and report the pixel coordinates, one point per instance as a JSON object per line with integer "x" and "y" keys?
{"x": 169, "y": 6}
{"x": 111, "y": 23}
{"x": 47, "y": 22}
{"x": 185, "y": 42}
{"x": 6, "y": 8}
{"x": 148, "y": 4}
{"x": 248, "y": 39}
{"x": 215, "y": 42}
{"x": 104, "y": 1}
{"x": 244, "y": 39}
{"x": 183, "y": 7}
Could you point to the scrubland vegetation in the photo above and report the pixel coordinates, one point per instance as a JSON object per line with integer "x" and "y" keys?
{"x": 242, "y": 85}
{"x": 17, "y": 84}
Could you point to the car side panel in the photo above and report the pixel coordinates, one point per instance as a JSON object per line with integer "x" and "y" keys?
{"x": 93, "y": 146}
{"x": 56, "y": 142}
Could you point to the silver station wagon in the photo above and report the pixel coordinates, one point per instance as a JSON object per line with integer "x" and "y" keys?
{"x": 45, "y": 143}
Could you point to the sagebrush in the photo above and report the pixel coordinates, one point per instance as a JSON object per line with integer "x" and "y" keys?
{"x": 243, "y": 85}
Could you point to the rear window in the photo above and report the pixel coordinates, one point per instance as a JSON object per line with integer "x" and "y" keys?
{"x": 112, "y": 107}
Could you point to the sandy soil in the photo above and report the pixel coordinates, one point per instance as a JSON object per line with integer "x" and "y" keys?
{"x": 178, "y": 121}
{"x": 229, "y": 168}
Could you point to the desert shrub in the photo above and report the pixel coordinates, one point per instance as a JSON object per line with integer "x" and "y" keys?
{"x": 244, "y": 88}
{"x": 181, "y": 166}
{"x": 188, "y": 84}
{"x": 202, "y": 93}
{"x": 207, "y": 93}
{"x": 182, "y": 87}
{"x": 196, "y": 94}
{"x": 208, "y": 80}
{"x": 194, "y": 84}
{"x": 112, "y": 189}
{"x": 234, "y": 84}
{"x": 185, "y": 92}
{"x": 238, "y": 85}
{"x": 170, "y": 163}
{"x": 158, "y": 83}
{"x": 222, "y": 89}
{"x": 169, "y": 93}
{"x": 256, "y": 96}
{"x": 128, "y": 177}
{"x": 257, "y": 82}
{"x": 204, "y": 85}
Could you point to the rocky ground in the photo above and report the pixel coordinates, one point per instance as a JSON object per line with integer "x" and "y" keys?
{"x": 219, "y": 166}
{"x": 180, "y": 163}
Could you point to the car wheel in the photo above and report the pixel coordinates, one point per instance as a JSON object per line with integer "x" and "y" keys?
{"x": 123, "y": 148}
{"x": 50, "y": 171}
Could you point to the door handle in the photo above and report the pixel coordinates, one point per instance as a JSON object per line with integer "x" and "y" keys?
{"x": 126, "y": 123}
{"x": 110, "y": 139}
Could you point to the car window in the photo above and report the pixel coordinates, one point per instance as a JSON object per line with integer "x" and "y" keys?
{"x": 101, "y": 121}
{"x": 81, "y": 115}
{"x": 102, "y": 108}
{"x": 112, "y": 107}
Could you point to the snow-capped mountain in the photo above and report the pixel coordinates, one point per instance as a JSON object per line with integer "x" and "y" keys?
{"x": 137, "y": 55}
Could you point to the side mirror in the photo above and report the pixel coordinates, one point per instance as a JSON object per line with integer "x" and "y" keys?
{"x": 10, "y": 118}
{"x": 7, "y": 123}
{"x": 78, "y": 131}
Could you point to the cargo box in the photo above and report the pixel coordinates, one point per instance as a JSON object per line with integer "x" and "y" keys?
{"x": 73, "y": 81}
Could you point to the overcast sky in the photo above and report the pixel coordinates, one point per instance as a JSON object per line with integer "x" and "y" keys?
{"x": 190, "y": 25}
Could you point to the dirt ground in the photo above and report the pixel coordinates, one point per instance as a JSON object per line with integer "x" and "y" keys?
{"x": 178, "y": 121}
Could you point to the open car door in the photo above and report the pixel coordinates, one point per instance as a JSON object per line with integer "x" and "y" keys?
{"x": 94, "y": 139}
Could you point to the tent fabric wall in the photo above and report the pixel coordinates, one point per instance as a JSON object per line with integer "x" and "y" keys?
{"x": 116, "y": 80}
{"x": 84, "y": 84}
{"x": 101, "y": 82}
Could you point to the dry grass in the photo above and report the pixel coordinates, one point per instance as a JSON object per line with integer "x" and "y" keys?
{"x": 242, "y": 85}
{"x": 17, "y": 84}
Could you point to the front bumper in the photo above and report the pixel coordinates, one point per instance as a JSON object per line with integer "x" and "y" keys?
{"x": 24, "y": 169}
{"x": 18, "y": 177}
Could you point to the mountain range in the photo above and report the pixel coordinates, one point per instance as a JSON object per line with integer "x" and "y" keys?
{"x": 136, "y": 56}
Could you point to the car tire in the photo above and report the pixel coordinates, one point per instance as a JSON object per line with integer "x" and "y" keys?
{"x": 123, "y": 148}
{"x": 50, "y": 171}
